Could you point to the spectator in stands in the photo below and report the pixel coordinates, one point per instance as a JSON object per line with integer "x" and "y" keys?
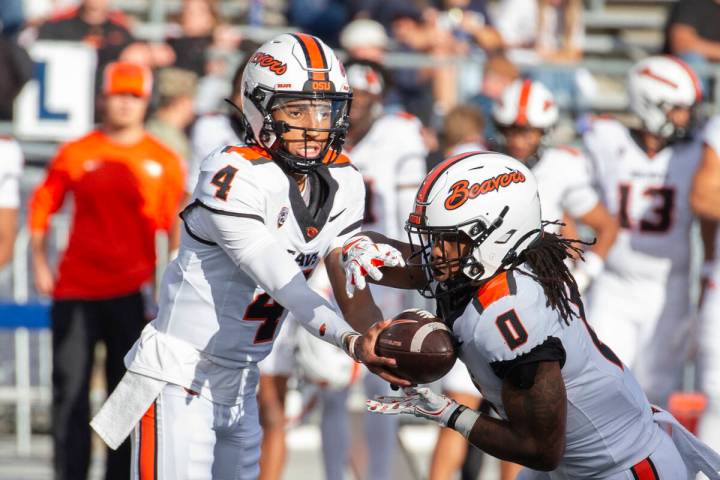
{"x": 126, "y": 186}
{"x": 176, "y": 91}
{"x": 10, "y": 172}
{"x": 552, "y": 30}
{"x": 469, "y": 22}
{"x": 197, "y": 22}
{"x": 364, "y": 39}
{"x": 94, "y": 23}
{"x": 538, "y": 32}
{"x": 323, "y": 18}
{"x": 693, "y": 31}
{"x": 413, "y": 87}
{"x": 498, "y": 74}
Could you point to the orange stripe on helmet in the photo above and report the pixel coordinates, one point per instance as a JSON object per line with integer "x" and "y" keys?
{"x": 521, "y": 118}
{"x": 693, "y": 76}
{"x": 426, "y": 186}
{"x": 314, "y": 55}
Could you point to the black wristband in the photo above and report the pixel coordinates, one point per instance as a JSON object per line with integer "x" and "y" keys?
{"x": 454, "y": 416}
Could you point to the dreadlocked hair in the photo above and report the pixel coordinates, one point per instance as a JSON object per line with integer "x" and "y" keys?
{"x": 546, "y": 258}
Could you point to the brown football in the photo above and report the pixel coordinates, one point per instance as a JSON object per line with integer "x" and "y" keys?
{"x": 421, "y": 343}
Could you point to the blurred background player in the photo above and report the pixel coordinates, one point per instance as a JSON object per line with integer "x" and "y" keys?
{"x": 126, "y": 186}
{"x": 705, "y": 201}
{"x": 389, "y": 151}
{"x": 213, "y": 130}
{"x": 524, "y": 116}
{"x": 11, "y": 167}
{"x": 463, "y": 130}
{"x": 640, "y": 303}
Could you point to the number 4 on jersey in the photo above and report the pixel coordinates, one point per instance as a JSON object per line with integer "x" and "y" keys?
{"x": 223, "y": 179}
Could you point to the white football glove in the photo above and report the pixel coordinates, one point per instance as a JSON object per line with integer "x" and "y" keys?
{"x": 361, "y": 257}
{"x": 419, "y": 401}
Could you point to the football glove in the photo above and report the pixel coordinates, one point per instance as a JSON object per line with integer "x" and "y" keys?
{"x": 587, "y": 270}
{"x": 424, "y": 403}
{"x": 361, "y": 257}
{"x": 419, "y": 401}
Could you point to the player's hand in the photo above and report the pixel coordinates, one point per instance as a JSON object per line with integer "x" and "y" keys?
{"x": 44, "y": 278}
{"x": 361, "y": 257}
{"x": 380, "y": 366}
{"x": 587, "y": 270}
{"x": 419, "y": 401}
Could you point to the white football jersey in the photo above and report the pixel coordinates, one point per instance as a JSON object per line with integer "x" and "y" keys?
{"x": 391, "y": 158}
{"x": 650, "y": 198}
{"x": 210, "y": 132}
{"x": 564, "y": 185}
{"x": 609, "y": 420}
{"x": 209, "y": 302}
{"x": 11, "y": 165}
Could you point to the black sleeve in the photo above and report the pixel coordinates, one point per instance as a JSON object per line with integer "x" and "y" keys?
{"x": 521, "y": 370}
{"x": 686, "y": 12}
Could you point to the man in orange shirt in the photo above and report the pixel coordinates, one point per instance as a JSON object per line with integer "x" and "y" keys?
{"x": 126, "y": 185}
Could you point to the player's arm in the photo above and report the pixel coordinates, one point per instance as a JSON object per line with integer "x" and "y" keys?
{"x": 604, "y": 225}
{"x": 360, "y": 310}
{"x": 257, "y": 252}
{"x": 46, "y": 200}
{"x": 534, "y": 433}
{"x": 705, "y": 190}
{"x": 8, "y": 228}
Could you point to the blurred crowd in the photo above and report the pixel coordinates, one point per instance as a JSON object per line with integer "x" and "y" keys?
{"x": 198, "y": 48}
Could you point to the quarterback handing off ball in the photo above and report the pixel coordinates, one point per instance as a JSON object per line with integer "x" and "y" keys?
{"x": 421, "y": 344}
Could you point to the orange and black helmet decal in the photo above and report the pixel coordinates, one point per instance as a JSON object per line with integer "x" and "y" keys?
{"x": 418, "y": 215}
{"x": 317, "y": 63}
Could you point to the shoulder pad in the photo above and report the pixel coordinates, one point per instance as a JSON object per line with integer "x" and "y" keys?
{"x": 341, "y": 160}
{"x": 500, "y": 286}
{"x": 513, "y": 323}
{"x": 254, "y": 155}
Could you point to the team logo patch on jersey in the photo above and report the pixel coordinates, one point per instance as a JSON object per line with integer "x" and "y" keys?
{"x": 323, "y": 329}
{"x": 461, "y": 190}
{"x": 268, "y": 61}
{"x": 282, "y": 216}
{"x": 311, "y": 232}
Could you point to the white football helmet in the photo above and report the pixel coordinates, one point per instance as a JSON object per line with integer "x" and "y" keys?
{"x": 656, "y": 85}
{"x": 491, "y": 198}
{"x": 289, "y": 67}
{"x": 526, "y": 103}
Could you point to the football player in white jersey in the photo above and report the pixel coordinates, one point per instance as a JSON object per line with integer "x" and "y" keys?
{"x": 523, "y": 116}
{"x": 10, "y": 172}
{"x": 705, "y": 201}
{"x": 261, "y": 218}
{"x": 640, "y": 304}
{"x": 568, "y": 407}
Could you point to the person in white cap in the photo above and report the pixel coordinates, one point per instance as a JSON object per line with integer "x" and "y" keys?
{"x": 364, "y": 39}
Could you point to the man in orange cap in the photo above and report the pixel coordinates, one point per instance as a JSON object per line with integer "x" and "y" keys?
{"x": 126, "y": 186}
